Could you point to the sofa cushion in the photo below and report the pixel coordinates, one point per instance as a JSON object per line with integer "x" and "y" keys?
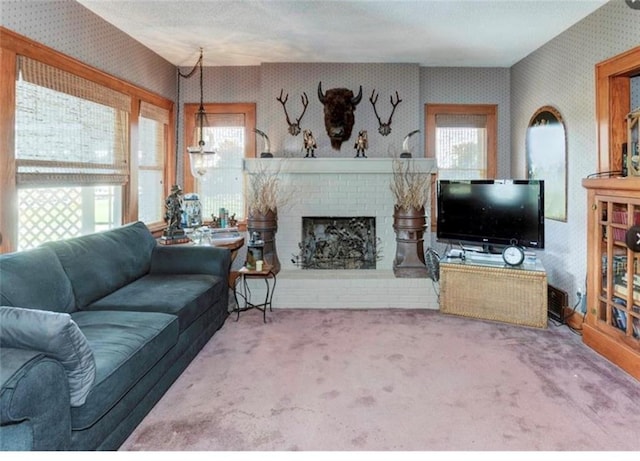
{"x": 126, "y": 345}
{"x": 100, "y": 263}
{"x": 57, "y": 336}
{"x": 35, "y": 279}
{"x": 185, "y": 295}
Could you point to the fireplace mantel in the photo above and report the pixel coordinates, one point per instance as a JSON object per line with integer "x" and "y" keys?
{"x": 334, "y": 165}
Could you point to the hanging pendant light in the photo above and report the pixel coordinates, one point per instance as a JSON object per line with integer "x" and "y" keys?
{"x": 202, "y": 160}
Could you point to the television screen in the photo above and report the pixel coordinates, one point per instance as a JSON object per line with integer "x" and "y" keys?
{"x": 498, "y": 212}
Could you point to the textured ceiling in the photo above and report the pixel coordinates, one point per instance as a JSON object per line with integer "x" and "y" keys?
{"x": 442, "y": 33}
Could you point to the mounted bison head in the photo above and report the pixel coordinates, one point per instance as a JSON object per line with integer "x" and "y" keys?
{"x": 339, "y": 106}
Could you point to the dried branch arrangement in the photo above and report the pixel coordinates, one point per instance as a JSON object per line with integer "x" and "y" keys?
{"x": 409, "y": 186}
{"x": 266, "y": 192}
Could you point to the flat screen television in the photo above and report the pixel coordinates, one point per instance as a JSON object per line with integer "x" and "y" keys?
{"x": 491, "y": 212}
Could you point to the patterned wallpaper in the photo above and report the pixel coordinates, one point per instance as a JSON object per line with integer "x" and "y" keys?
{"x": 262, "y": 85}
{"x": 70, "y": 28}
{"x": 561, "y": 74}
{"x": 385, "y": 79}
{"x": 415, "y": 86}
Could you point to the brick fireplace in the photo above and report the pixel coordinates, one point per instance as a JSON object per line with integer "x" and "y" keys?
{"x": 341, "y": 187}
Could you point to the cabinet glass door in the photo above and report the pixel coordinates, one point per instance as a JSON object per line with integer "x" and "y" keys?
{"x": 619, "y": 300}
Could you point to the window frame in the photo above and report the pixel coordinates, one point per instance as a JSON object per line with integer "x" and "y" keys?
{"x": 490, "y": 111}
{"x": 11, "y": 46}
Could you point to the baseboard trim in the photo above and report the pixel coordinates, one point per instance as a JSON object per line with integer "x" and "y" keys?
{"x": 573, "y": 319}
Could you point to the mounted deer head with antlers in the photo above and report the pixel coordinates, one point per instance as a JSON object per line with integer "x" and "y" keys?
{"x": 385, "y": 128}
{"x": 294, "y": 128}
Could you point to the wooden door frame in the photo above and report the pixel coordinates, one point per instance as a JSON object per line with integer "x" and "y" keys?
{"x": 613, "y": 104}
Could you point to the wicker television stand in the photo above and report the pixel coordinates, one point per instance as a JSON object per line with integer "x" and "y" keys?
{"x": 493, "y": 291}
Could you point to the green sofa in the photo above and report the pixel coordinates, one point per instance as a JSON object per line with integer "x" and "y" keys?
{"x": 94, "y": 330}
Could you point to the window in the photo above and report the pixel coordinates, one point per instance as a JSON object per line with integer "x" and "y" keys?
{"x": 70, "y": 152}
{"x": 66, "y": 160}
{"x": 152, "y": 151}
{"x": 461, "y": 146}
{"x": 229, "y": 132}
{"x": 462, "y": 139}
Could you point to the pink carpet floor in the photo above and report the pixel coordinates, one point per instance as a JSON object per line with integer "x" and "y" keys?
{"x": 393, "y": 380}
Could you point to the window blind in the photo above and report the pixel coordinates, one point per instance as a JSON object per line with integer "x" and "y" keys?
{"x": 69, "y": 131}
{"x": 153, "y": 112}
{"x": 154, "y": 122}
{"x": 461, "y": 146}
{"x": 461, "y": 121}
{"x": 222, "y": 120}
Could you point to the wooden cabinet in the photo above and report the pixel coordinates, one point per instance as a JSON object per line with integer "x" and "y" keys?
{"x": 495, "y": 292}
{"x": 612, "y": 325}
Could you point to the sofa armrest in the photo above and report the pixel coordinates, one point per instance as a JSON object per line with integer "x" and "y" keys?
{"x": 186, "y": 259}
{"x": 34, "y": 402}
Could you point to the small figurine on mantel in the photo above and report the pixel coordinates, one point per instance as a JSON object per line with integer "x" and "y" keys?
{"x": 174, "y": 233}
{"x": 309, "y": 143}
{"x": 362, "y": 144}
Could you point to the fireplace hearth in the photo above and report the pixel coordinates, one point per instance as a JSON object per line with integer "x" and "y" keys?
{"x": 330, "y": 242}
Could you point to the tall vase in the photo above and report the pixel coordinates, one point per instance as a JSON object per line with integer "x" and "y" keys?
{"x": 267, "y": 225}
{"x": 409, "y": 226}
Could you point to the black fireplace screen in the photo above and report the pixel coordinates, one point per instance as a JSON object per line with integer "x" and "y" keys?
{"x": 338, "y": 243}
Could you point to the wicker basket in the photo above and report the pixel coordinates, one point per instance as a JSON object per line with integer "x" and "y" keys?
{"x": 515, "y": 296}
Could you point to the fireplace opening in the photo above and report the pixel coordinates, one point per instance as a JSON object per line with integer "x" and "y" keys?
{"x": 338, "y": 243}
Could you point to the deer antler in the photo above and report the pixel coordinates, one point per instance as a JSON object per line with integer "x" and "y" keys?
{"x": 385, "y": 128}
{"x": 294, "y": 128}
